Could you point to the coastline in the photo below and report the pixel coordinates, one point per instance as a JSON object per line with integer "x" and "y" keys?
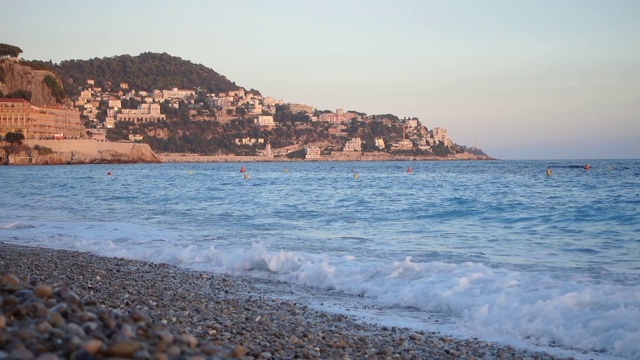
{"x": 210, "y": 315}
{"x": 356, "y": 156}
{"x": 86, "y": 151}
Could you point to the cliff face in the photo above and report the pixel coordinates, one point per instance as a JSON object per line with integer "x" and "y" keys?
{"x": 17, "y": 77}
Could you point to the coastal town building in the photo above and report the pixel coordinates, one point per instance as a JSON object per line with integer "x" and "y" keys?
{"x": 311, "y": 152}
{"x": 440, "y": 134}
{"x": 411, "y": 123}
{"x": 269, "y": 101}
{"x": 355, "y": 144}
{"x": 379, "y": 142}
{"x": 54, "y": 122}
{"x": 84, "y": 96}
{"x": 338, "y": 117}
{"x": 236, "y": 93}
{"x": 404, "y": 144}
{"x": 17, "y": 115}
{"x": 13, "y": 116}
{"x": 296, "y": 108}
{"x": 177, "y": 94}
{"x": 115, "y": 103}
{"x": 421, "y": 143}
{"x": 144, "y": 113}
{"x": 97, "y": 134}
{"x": 223, "y": 102}
{"x": 265, "y": 120}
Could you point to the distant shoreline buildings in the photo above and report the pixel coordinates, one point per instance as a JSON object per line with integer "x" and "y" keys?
{"x": 46, "y": 122}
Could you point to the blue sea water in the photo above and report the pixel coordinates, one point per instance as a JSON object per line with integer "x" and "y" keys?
{"x": 496, "y": 250}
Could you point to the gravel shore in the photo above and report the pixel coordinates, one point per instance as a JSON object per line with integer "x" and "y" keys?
{"x": 71, "y": 305}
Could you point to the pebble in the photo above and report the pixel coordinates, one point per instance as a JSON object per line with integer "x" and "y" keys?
{"x": 141, "y": 310}
{"x": 43, "y": 291}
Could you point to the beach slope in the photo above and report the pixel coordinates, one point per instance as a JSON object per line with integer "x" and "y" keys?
{"x": 65, "y": 304}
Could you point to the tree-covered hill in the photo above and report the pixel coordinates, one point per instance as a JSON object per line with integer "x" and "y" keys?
{"x": 147, "y": 71}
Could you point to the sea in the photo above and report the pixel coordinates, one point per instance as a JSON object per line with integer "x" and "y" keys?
{"x": 495, "y": 250}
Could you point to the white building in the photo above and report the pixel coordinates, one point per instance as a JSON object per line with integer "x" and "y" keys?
{"x": 355, "y": 144}
{"x": 312, "y": 152}
{"x": 115, "y": 103}
{"x": 265, "y": 120}
{"x": 177, "y": 94}
{"x": 411, "y": 123}
{"x": 440, "y": 134}
{"x": 144, "y": 113}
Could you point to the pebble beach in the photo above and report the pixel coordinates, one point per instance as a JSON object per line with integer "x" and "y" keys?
{"x": 59, "y": 304}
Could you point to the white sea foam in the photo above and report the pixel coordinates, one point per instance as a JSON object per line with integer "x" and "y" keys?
{"x": 497, "y": 303}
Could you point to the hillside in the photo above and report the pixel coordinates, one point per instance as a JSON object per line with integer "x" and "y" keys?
{"x": 147, "y": 71}
{"x": 212, "y": 115}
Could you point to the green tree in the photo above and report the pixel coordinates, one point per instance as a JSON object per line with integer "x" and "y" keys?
{"x": 14, "y": 138}
{"x": 56, "y": 90}
{"x": 7, "y": 50}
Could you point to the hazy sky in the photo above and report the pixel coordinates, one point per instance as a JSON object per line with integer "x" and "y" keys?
{"x": 557, "y": 79}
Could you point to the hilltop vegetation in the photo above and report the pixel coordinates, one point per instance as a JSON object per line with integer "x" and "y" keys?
{"x": 147, "y": 71}
{"x": 7, "y": 50}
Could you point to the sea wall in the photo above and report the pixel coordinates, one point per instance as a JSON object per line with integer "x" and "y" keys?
{"x": 85, "y": 152}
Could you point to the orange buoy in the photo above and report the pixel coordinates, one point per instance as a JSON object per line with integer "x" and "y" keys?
{"x": 586, "y": 166}
{"x": 242, "y": 169}
{"x": 409, "y": 170}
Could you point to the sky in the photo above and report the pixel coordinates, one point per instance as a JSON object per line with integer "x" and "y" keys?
{"x": 543, "y": 79}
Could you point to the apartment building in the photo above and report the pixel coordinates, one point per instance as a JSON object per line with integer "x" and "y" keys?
{"x": 53, "y": 122}
{"x": 177, "y": 94}
{"x": 312, "y": 152}
{"x": 265, "y": 120}
{"x": 440, "y": 134}
{"x": 355, "y": 144}
{"x": 14, "y": 114}
{"x": 144, "y": 113}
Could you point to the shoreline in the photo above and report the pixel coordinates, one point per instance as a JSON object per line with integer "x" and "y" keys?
{"x": 212, "y": 315}
{"x": 196, "y": 158}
